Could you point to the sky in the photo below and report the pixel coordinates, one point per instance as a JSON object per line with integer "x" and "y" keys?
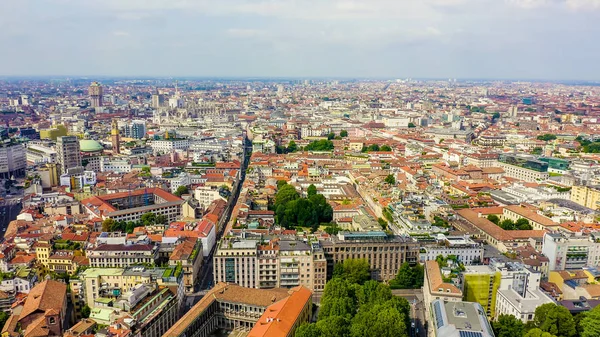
{"x": 503, "y": 39}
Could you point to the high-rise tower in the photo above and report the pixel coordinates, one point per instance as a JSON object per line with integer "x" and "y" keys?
{"x": 95, "y": 92}
{"x": 115, "y": 137}
{"x": 67, "y": 153}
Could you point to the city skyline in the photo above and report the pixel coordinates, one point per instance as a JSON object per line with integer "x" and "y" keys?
{"x": 513, "y": 39}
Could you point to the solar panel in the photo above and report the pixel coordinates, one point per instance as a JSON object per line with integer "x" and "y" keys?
{"x": 438, "y": 314}
{"x": 470, "y": 334}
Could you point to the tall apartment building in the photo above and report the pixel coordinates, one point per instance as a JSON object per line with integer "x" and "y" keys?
{"x": 278, "y": 263}
{"x": 385, "y": 253}
{"x": 588, "y": 196}
{"x": 136, "y": 129}
{"x": 96, "y": 94}
{"x": 67, "y": 153}
{"x": 12, "y": 160}
{"x": 568, "y": 251}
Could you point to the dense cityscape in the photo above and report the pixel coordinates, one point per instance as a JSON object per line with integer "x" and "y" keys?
{"x": 307, "y": 208}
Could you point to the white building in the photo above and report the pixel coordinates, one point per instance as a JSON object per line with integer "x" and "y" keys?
{"x": 571, "y": 251}
{"x": 522, "y": 173}
{"x": 467, "y": 250}
{"x": 183, "y": 179}
{"x": 168, "y": 145}
{"x": 510, "y": 302}
{"x": 12, "y": 160}
{"x": 115, "y": 165}
{"x": 39, "y": 154}
{"x": 206, "y": 195}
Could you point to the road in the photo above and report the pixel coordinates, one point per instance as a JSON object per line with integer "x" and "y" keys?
{"x": 206, "y": 279}
{"x": 417, "y": 310}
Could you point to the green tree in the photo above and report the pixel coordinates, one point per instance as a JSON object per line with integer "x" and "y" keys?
{"x": 388, "y": 319}
{"x": 308, "y": 330}
{"x": 590, "y": 324}
{"x": 107, "y": 224}
{"x": 311, "y": 190}
{"x": 357, "y": 270}
{"x": 523, "y": 224}
{"x": 373, "y": 292}
{"x": 537, "y": 332}
{"x": 546, "y": 137}
{"x": 555, "y": 319}
{"x": 334, "y": 326}
{"x": 373, "y": 147}
{"x": 408, "y": 277}
{"x": 181, "y": 190}
{"x": 161, "y": 219}
{"x": 383, "y": 223}
{"x": 148, "y": 219}
{"x": 3, "y": 317}
{"x": 494, "y": 218}
{"x": 390, "y": 179}
{"x": 130, "y": 227}
{"x": 344, "y": 133}
{"x": 411, "y": 125}
{"x": 507, "y": 326}
{"x": 292, "y": 147}
{"x": 507, "y": 224}
{"x": 320, "y": 145}
{"x": 85, "y": 311}
{"x": 330, "y": 136}
{"x": 280, "y": 183}
{"x": 386, "y": 148}
{"x": 495, "y": 116}
{"x": 286, "y": 194}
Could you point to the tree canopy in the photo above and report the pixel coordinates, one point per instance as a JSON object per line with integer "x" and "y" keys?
{"x": 181, "y": 190}
{"x": 311, "y": 190}
{"x": 408, "y": 277}
{"x": 350, "y": 309}
{"x": 555, "y": 319}
{"x": 590, "y": 324}
{"x": 344, "y": 133}
{"x": 292, "y": 210}
{"x": 353, "y": 270}
{"x": 390, "y": 179}
{"x": 508, "y": 326}
{"x": 546, "y": 137}
{"x": 320, "y": 145}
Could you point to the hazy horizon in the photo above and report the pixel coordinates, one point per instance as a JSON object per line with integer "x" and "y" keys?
{"x": 539, "y": 40}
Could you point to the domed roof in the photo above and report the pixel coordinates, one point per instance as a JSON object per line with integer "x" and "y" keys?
{"x": 90, "y": 145}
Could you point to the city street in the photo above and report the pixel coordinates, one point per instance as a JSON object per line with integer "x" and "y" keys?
{"x": 417, "y": 310}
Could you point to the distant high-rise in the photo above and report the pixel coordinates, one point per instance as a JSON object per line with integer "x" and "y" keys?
{"x": 115, "y": 137}
{"x": 95, "y": 92}
{"x": 67, "y": 153}
{"x": 157, "y": 99}
{"x": 137, "y": 129}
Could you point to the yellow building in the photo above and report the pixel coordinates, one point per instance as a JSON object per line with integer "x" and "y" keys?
{"x": 588, "y": 196}
{"x": 54, "y": 132}
{"x": 43, "y": 249}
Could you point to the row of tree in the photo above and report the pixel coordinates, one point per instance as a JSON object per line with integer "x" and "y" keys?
{"x": 354, "y": 306}
{"x": 320, "y": 145}
{"x": 147, "y": 219}
{"x": 550, "y": 320}
{"x": 291, "y": 210}
{"x": 375, "y": 148}
{"x": 508, "y": 224}
{"x": 409, "y": 277}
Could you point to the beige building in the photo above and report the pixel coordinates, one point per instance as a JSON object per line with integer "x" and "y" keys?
{"x": 434, "y": 287}
{"x": 279, "y": 263}
{"x": 188, "y": 254}
{"x": 522, "y": 173}
{"x": 588, "y": 196}
{"x": 537, "y": 221}
{"x": 384, "y": 253}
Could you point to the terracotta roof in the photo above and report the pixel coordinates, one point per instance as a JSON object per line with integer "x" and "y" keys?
{"x": 436, "y": 282}
{"x": 531, "y": 215}
{"x": 44, "y": 296}
{"x": 279, "y": 318}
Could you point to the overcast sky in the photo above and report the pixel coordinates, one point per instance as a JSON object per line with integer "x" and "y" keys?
{"x": 518, "y": 39}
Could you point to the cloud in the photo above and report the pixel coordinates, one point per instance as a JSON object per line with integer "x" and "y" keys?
{"x": 120, "y": 33}
{"x": 245, "y": 33}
